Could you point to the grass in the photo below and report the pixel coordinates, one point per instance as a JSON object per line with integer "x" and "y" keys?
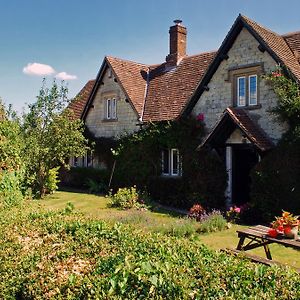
{"x": 160, "y": 220}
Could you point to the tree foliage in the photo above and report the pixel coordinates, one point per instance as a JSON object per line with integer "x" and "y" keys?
{"x": 276, "y": 179}
{"x": 288, "y": 92}
{"x": 51, "y": 135}
{"x": 11, "y": 162}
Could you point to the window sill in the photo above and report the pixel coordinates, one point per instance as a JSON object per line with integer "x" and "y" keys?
{"x": 110, "y": 120}
{"x": 250, "y": 107}
{"x": 170, "y": 176}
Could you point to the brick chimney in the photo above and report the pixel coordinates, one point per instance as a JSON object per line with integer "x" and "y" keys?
{"x": 177, "y": 44}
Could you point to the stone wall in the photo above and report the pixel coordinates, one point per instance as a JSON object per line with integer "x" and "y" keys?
{"x": 96, "y": 120}
{"x": 244, "y": 52}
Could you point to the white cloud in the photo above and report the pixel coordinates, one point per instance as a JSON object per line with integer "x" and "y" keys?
{"x": 38, "y": 69}
{"x": 65, "y": 76}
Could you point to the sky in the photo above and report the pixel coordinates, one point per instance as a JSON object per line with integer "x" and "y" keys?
{"x": 68, "y": 39}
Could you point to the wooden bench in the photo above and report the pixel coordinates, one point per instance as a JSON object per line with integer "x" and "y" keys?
{"x": 257, "y": 236}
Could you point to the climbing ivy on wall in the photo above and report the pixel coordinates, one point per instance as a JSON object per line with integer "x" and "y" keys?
{"x": 138, "y": 162}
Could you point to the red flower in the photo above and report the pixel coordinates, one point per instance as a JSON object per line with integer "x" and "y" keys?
{"x": 287, "y": 229}
{"x": 272, "y": 233}
{"x": 280, "y": 228}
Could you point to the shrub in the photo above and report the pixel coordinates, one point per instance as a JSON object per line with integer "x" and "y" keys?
{"x": 51, "y": 182}
{"x": 276, "y": 180}
{"x": 180, "y": 228}
{"x": 73, "y": 257}
{"x": 126, "y": 198}
{"x": 233, "y": 214}
{"x": 211, "y": 222}
{"x": 10, "y": 188}
{"x": 196, "y": 212}
{"x": 96, "y": 187}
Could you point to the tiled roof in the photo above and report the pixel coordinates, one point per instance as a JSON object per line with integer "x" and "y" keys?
{"x": 79, "y": 102}
{"x": 241, "y": 119}
{"x": 250, "y": 128}
{"x": 133, "y": 78}
{"x": 278, "y": 45}
{"x": 159, "y": 93}
{"x": 170, "y": 89}
{"x": 293, "y": 40}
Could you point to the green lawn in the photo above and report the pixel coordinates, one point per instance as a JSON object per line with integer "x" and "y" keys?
{"x": 159, "y": 221}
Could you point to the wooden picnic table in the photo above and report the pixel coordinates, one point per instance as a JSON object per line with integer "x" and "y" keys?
{"x": 257, "y": 236}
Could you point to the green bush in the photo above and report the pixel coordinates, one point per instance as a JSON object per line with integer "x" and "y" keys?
{"x": 125, "y": 198}
{"x": 78, "y": 177}
{"x": 96, "y": 187}
{"x": 212, "y": 222}
{"x": 180, "y": 228}
{"x": 10, "y": 188}
{"x": 276, "y": 180}
{"x": 59, "y": 256}
{"x": 51, "y": 182}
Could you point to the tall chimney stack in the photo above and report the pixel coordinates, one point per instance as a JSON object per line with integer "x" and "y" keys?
{"x": 177, "y": 44}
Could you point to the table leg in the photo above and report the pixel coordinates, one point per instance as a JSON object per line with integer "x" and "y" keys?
{"x": 241, "y": 242}
{"x": 268, "y": 252}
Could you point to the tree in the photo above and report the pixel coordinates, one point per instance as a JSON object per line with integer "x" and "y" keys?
{"x": 11, "y": 163}
{"x": 51, "y": 135}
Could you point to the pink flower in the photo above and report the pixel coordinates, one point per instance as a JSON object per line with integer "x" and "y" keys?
{"x": 276, "y": 74}
{"x": 237, "y": 210}
{"x": 200, "y": 117}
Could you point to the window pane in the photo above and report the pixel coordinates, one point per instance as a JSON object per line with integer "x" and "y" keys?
{"x": 165, "y": 162}
{"x": 241, "y": 92}
{"x": 108, "y": 108}
{"x": 253, "y": 90}
{"x": 175, "y": 161}
{"x": 114, "y": 109}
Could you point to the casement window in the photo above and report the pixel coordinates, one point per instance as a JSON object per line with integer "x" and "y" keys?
{"x": 171, "y": 164}
{"x": 111, "y": 109}
{"x": 246, "y": 90}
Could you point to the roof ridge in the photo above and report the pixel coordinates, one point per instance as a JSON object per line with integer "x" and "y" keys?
{"x": 201, "y": 53}
{"x": 289, "y": 34}
{"x": 126, "y": 60}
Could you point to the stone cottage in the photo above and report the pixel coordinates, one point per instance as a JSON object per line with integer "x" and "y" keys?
{"x": 224, "y": 89}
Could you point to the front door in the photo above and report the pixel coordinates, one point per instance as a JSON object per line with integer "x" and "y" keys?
{"x": 244, "y": 158}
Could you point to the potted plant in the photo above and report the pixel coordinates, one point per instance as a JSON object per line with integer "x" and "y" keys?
{"x": 287, "y": 223}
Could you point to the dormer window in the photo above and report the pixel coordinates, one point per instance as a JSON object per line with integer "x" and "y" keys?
{"x": 111, "y": 109}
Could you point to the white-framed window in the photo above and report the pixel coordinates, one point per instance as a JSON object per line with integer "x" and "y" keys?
{"x": 111, "y": 109}
{"x": 246, "y": 90}
{"x": 171, "y": 164}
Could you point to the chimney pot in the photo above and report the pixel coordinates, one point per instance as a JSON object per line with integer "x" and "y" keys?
{"x": 177, "y": 21}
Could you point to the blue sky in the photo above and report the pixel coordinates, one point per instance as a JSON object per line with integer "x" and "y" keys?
{"x": 73, "y": 36}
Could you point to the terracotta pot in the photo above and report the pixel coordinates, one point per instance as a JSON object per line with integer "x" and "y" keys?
{"x": 291, "y": 232}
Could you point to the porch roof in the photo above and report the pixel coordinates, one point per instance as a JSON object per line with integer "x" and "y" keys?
{"x": 231, "y": 119}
